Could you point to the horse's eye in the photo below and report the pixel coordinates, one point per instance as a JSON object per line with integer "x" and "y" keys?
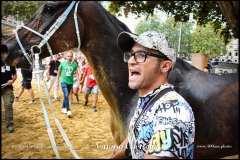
{"x": 47, "y": 10}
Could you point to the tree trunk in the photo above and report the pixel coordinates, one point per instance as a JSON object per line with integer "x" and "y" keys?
{"x": 230, "y": 10}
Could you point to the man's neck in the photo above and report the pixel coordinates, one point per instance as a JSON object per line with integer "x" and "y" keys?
{"x": 144, "y": 91}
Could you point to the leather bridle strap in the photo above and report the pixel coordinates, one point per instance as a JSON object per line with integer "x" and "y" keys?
{"x": 50, "y": 32}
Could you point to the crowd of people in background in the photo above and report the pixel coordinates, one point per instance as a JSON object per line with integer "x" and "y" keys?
{"x": 68, "y": 70}
{"x": 74, "y": 75}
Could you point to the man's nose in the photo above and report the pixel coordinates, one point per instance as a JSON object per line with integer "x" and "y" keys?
{"x": 132, "y": 60}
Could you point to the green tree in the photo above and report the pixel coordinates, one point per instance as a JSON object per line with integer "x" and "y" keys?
{"x": 203, "y": 12}
{"x": 152, "y": 23}
{"x": 205, "y": 40}
{"x": 170, "y": 29}
{"x": 22, "y": 10}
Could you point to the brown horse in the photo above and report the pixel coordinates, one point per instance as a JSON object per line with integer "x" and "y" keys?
{"x": 214, "y": 98}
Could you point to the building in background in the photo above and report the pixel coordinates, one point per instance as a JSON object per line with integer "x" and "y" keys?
{"x": 232, "y": 52}
{"x": 229, "y": 62}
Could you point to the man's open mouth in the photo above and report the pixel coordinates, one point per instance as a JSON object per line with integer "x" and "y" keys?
{"x": 133, "y": 74}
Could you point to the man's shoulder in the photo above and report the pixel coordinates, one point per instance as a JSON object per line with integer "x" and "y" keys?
{"x": 75, "y": 63}
{"x": 50, "y": 63}
{"x": 171, "y": 99}
{"x": 63, "y": 62}
{"x": 173, "y": 105}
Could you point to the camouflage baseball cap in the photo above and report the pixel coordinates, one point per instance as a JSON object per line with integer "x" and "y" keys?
{"x": 150, "y": 39}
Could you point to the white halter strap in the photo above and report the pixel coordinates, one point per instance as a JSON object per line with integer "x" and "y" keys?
{"x": 50, "y": 32}
{"x": 37, "y": 71}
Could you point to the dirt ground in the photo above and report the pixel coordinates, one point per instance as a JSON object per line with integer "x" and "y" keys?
{"x": 89, "y": 132}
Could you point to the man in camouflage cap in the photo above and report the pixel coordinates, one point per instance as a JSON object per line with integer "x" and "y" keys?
{"x": 163, "y": 123}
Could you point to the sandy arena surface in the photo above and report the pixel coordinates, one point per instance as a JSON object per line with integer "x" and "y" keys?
{"x": 89, "y": 132}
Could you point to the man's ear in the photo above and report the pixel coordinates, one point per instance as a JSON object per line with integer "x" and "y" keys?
{"x": 165, "y": 66}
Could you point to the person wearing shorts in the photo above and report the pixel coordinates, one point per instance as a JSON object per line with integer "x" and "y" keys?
{"x": 75, "y": 87}
{"x": 26, "y": 84}
{"x": 82, "y": 67}
{"x": 91, "y": 86}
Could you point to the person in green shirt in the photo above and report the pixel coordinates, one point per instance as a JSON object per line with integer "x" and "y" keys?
{"x": 66, "y": 71}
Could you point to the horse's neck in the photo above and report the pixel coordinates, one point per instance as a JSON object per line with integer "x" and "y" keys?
{"x": 186, "y": 78}
{"x": 106, "y": 60}
{"x": 100, "y": 38}
{"x": 180, "y": 72}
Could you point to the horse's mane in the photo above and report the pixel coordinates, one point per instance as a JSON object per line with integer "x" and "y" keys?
{"x": 116, "y": 22}
{"x": 183, "y": 65}
{"x": 121, "y": 24}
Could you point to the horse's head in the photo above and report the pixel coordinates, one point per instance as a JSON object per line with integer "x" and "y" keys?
{"x": 34, "y": 33}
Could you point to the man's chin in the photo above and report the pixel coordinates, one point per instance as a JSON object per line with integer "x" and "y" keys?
{"x": 133, "y": 85}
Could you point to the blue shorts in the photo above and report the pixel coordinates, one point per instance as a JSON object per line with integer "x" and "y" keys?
{"x": 94, "y": 89}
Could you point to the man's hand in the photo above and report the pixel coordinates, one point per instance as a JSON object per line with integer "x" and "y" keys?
{"x": 57, "y": 83}
{"x": 119, "y": 153}
{"x": 10, "y": 82}
{"x": 48, "y": 77}
{"x": 81, "y": 82}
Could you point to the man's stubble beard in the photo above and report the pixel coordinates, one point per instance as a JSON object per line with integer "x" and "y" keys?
{"x": 141, "y": 84}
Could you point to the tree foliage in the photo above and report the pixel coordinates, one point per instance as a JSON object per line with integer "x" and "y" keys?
{"x": 205, "y": 40}
{"x": 170, "y": 29}
{"x": 201, "y": 39}
{"x": 22, "y": 10}
{"x": 204, "y": 12}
